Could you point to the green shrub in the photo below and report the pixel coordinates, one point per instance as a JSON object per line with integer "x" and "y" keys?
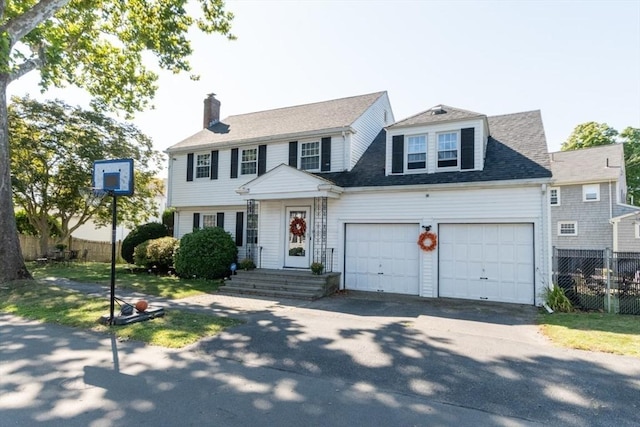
{"x": 156, "y": 253}
{"x": 206, "y": 253}
{"x": 140, "y": 234}
{"x": 557, "y": 300}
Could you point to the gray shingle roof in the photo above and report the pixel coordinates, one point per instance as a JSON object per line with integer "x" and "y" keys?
{"x": 439, "y": 113}
{"x": 283, "y": 122}
{"x": 517, "y": 149}
{"x": 587, "y": 164}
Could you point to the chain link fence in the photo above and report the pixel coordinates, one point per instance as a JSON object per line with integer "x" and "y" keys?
{"x": 599, "y": 280}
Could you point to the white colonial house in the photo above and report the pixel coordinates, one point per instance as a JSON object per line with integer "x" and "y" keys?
{"x": 340, "y": 183}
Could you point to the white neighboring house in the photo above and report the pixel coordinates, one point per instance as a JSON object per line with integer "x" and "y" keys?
{"x": 363, "y": 188}
{"x": 89, "y": 231}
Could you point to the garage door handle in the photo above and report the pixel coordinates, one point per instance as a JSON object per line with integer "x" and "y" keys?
{"x": 380, "y": 273}
{"x": 484, "y": 278}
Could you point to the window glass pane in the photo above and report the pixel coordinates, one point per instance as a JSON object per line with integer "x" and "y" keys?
{"x": 208, "y": 221}
{"x": 310, "y": 155}
{"x": 203, "y": 163}
{"x": 447, "y": 150}
{"x": 417, "y": 152}
{"x": 249, "y": 161}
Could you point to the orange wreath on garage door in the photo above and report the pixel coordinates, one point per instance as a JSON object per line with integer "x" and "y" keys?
{"x": 427, "y": 241}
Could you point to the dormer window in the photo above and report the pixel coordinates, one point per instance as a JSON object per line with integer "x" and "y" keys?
{"x": 448, "y": 152}
{"x": 417, "y": 152}
{"x": 310, "y": 155}
{"x": 249, "y": 164}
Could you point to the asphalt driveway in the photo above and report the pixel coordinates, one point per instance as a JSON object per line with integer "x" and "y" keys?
{"x": 356, "y": 359}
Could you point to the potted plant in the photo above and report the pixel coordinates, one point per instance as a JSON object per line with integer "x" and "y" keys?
{"x": 246, "y": 264}
{"x": 317, "y": 268}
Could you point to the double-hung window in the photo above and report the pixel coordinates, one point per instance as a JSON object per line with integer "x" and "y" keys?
{"x": 417, "y": 152}
{"x": 249, "y": 163}
{"x": 203, "y": 165}
{"x": 310, "y": 155}
{"x": 591, "y": 192}
{"x": 448, "y": 150}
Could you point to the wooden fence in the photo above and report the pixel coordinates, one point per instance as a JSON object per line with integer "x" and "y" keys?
{"x": 96, "y": 251}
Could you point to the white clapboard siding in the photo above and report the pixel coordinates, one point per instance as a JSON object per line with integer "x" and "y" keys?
{"x": 367, "y": 128}
{"x": 461, "y": 205}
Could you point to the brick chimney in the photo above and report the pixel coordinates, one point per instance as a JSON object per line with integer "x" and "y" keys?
{"x": 211, "y": 110}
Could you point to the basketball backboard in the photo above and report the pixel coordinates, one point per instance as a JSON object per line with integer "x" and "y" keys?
{"x": 114, "y": 176}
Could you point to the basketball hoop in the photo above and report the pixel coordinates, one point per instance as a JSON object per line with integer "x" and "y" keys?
{"x": 92, "y": 196}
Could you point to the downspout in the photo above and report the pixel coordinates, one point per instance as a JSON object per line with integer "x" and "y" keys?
{"x": 545, "y": 231}
{"x": 613, "y": 235}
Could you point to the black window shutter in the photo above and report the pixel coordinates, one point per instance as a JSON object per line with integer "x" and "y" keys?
{"x": 262, "y": 159}
{"x": 234, "y": 163}
{"x": 190, "y": 167}
{"x": 239, "y": 228}
{"x": 293, "y": 154}
{"x": 214, "y": 164}
{"x": 196, "y": 221}
{"x": 325, "y": 155}
{"x": 397, "y": 154}
{"x": 467, "y": 151}
{"x": 220, "y": 219}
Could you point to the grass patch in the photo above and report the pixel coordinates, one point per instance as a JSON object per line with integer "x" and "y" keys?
{"x": 165, "y": 286}
{"x": 52, "y": 304}
{"x": 609, "y": 333}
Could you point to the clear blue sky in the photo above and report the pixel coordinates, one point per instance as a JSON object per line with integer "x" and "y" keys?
{"x": 576, "y": 61}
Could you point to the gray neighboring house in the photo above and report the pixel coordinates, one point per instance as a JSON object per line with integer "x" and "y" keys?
{"x": 587, "y": 201}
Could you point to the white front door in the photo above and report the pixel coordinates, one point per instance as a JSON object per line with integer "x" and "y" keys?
{"x": 297, "y": 235}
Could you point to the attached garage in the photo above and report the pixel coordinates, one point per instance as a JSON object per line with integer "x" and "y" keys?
{"x": 492, "y": 262}
{"x": 382, "y": 258}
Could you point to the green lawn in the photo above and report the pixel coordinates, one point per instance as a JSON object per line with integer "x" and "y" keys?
{"x": 610, "y": 333}
{"x": 53, "y": 304}
{"x": 100, "y": 273}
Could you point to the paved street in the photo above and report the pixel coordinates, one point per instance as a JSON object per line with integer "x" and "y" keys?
{"x": 353, "y": 359}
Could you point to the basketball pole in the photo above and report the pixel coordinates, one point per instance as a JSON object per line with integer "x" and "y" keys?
{"x": 113, "y": 256}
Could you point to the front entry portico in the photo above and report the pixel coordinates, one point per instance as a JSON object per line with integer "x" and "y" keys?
{"x": 292, "y": 219}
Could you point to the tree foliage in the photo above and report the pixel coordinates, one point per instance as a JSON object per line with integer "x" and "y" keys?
{"x": 592, "y": 134}
{"x": 53, "y": 147}
{"x": 97, "y": 45}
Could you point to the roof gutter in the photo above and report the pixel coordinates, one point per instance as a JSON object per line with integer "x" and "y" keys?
{"x": 261, "y": 139}
{"x": 451, "y": 186}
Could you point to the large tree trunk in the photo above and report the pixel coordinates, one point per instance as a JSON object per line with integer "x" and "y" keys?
{"x": 12, "y": 265}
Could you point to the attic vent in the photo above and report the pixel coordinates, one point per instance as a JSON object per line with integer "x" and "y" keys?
{"x": 438, "y": 110}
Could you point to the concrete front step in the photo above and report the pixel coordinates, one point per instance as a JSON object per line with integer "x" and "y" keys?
{"x": 301, "y": 284}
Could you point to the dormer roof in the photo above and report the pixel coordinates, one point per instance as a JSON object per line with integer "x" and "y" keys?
{"x": 437, "y": 114}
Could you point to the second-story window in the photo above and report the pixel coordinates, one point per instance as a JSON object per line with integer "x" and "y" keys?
{"x": 417, "y": 152}
{"x": 591, "y": 192}
{"x": 447, "y": 150}
{"x": 310, "y": 155}
{"x": 203, "y": 165}
{"x": 249, "y": 162}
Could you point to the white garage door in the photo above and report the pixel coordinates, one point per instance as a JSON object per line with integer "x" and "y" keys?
{"x": 382, "y": 258}
{"x": 486, "y": 261}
